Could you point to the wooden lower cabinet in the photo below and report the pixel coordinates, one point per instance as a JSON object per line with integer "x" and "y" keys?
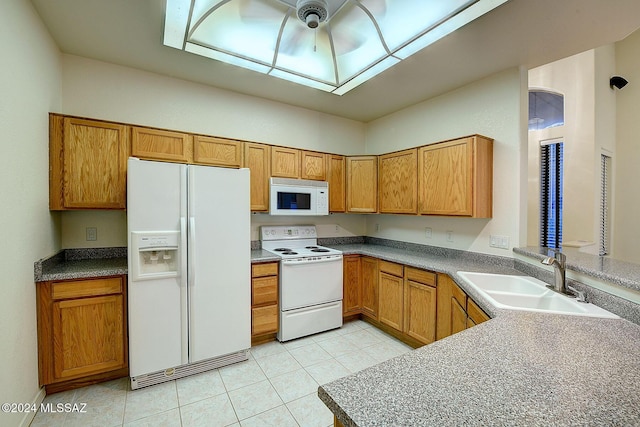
{"x": 264, "y": 301}
{"x": 369, "y": 295}
{"x": 391, "y": 294}
{"x": 420, "y": 305}
{"x": 82, "y": 332}
{"x": 351, "y": 285}
{"x": 455, "y": 310}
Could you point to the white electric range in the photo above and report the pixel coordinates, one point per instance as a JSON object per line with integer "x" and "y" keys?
{"x": 310, "y": 288}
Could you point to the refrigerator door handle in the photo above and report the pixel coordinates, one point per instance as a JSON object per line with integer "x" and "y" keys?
{"x": 183, "y": 250}
{"x": 191, "y": 273}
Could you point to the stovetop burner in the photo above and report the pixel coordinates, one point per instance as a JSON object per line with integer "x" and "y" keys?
{"x": 320, "y": 250}
{"x": 282, "y": 250}
{"x": 289, "y": 253}
{"x": 311, "y": 247}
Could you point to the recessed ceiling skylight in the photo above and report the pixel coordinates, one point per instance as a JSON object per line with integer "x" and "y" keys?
{"x": 331, "y": 45}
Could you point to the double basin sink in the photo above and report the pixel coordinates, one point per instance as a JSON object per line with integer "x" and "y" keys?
{"x": 528, "y": 294}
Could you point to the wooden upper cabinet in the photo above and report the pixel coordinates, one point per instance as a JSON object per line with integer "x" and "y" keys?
{"x": 362, "y": 184}
{"x": 88, "y": 164}
{"x": 257, "y": 157}
{"x": 398, "y": 182}
{"x": 313, "y": 165}
{"x": 456, "y": 178}
{"x": 285, "y": 162}
{"x": 158, "y": 144}
{"x": 217, "y": 151}
{"x": 336, "y": 179}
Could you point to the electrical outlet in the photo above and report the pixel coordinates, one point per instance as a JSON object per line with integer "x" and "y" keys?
{"x": 337, "y": 229}
{"x": 428, "y": 232}
{"x": 377, "y": 227}
{"x": 501, "y": 242}
{"x": 449, "y": 236}
{"x": 91, "y": 233}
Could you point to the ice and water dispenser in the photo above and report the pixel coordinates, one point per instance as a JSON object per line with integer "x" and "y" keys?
{"x": 155, "y": 254}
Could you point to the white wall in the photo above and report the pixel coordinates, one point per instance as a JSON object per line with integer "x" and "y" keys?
{"x": 105, "y": 91}
{"x": 30, "y": 88}
{"x": 491, "y": 107}
{"x": 572, "y": 77}
{"x": 627, "y": 162}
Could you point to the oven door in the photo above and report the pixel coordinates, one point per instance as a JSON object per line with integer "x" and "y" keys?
{"x": 310, "y": 282}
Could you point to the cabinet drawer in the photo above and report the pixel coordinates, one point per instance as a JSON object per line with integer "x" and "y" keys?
{"x": 264, "y": 290}
{"x": 264, "y": 320}
{"x": 267, "y": 269}
{"x": 86, "y": 288}
{"x": 459, "y": 295}
{"x": 420, "y": 276}
{"x": 391, "y": 268}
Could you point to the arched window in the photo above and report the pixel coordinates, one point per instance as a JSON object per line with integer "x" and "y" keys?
{"x": 546, "y": 109}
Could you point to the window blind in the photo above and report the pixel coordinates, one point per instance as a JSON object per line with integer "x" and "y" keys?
{"x": 605, "y": 204}
{"x": 551, "y": 174}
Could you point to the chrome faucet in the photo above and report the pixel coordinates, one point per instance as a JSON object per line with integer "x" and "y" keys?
{"x": 558, "y": 262}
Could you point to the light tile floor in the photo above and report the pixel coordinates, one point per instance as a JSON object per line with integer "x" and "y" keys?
{"x": 277, "y": 386}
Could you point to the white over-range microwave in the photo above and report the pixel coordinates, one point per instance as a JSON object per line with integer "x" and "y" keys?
{"x": 298, "y": 197}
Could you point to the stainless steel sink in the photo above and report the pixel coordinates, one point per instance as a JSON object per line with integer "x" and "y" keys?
{"x": 528, "y": 294}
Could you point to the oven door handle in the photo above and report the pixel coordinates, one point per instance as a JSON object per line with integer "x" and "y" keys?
{"x": 292, "y": 262}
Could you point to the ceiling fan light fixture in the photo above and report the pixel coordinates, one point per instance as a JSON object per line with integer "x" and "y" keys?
{"x": 312, "y": 12}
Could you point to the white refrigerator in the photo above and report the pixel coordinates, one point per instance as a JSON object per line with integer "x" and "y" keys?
{"x": 189, "y": 269}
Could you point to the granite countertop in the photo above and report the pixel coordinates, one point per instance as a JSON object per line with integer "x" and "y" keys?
{"x": 517, "y": 369}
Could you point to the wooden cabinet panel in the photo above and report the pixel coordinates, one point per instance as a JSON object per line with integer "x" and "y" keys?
{"x": 369, "y": 271}
{"x": 217, "y": 151}
{"x": 264, "y": 269}
{"x": 458, "y": 317}
{"x": 264, "y": 298}
{"x": 459, "y": 295}
{"x": 313, "y": 165}
{"x": 86, "y": 288}
{"x": 336, "y": 179}
{"x": 88, "y": 164}
{"x": 352, "y": 285}
{"x": 475, "y": 313}
{"x": 398, "y": 182}
{"x": 158, "y": 144}
{"x": 455, "y": 178}
{"x": 443, "y": 312}
{"x": 285, "y": 162}
{"x": 390, "y": 304}
{"x": 362, "y": 184}
{"x": 82, "y": 332}
{"x": 87, "y": 336}
{"x": 391, "y": 268}
{"x": 257, "y": 157}
{"x": 420, "y": 276}
{"x": 264, "y": 320}
{"x": 420, "y": 311}
{"x": 264, "y": 290}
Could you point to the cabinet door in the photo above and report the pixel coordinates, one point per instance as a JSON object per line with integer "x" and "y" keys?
{"x": 94, "y": 166}
{"x": 369, "y": 269}
{"x": 398, "y": 182}
{"x": 390, "y": 308}
{"x": 217, "y": 151}
{"x": 446, "y": 178}
{"x": 362, "y": 184}
{"x": 313, "y": 165}
{"x": 352, "y": 286}
{"x": 475, "y": 314}
{"x": 257, "y": 157}
{"x": 458, "y": 317}
{"x": 158, "y": 144}
{"x": 420, "y": 311}
{"x": 285, "y": 162}
{"x": 336, "y": 178}
{"x": 88, "y": 336}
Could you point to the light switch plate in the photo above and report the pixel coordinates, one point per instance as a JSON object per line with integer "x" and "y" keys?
{"x": 91, "y": 234}
{"x": 501, "y": 242}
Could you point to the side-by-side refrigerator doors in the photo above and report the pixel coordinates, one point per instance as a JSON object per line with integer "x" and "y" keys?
{"x": 219, "y": 262}
{"x": 157, "y": 292}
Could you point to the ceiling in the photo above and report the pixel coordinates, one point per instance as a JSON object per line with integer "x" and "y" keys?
{"x": 525, "y": 33}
